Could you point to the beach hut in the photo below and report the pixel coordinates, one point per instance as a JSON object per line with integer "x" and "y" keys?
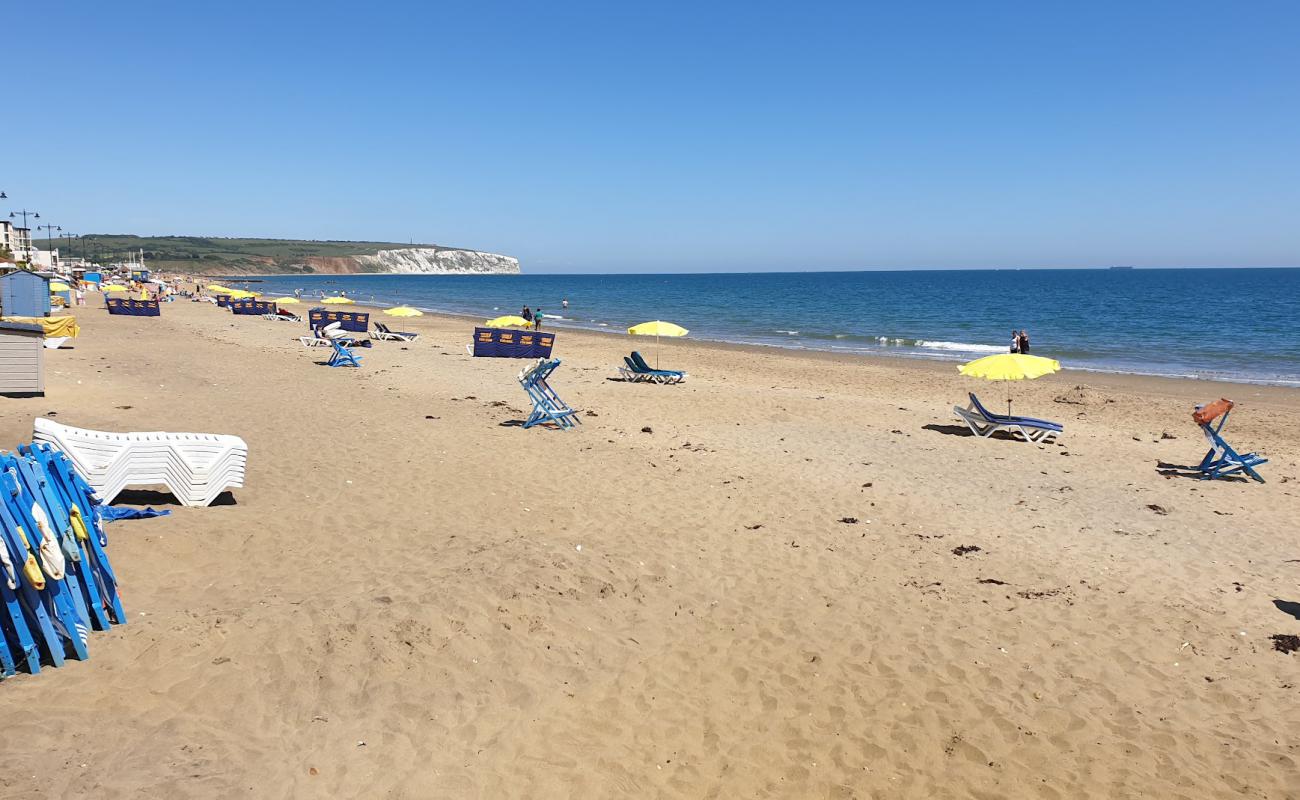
{"x": 25, "y": 294}
{"x": 22, "y": 354}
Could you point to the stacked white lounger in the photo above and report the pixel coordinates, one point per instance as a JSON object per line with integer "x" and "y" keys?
{"x": 196, "y": 467}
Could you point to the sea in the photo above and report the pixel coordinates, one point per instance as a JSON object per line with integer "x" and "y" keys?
{"x": 1217, "y": 324}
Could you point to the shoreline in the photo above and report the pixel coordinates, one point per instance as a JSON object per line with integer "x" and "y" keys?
{"x": 1128, "y": 381}
{"x": 910, "y": 351}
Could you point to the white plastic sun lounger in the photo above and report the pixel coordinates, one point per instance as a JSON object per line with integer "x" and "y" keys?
{"x": 195, "y": 467}
{"x": 984, "y": 423}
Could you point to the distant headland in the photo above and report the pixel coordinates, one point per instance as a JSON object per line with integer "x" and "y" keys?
{"x": 210, "y": 255}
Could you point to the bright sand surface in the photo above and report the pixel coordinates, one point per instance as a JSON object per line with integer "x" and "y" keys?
{"x": 743, "y": 586}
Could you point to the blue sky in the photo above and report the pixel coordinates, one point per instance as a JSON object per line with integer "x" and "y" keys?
{"x": 671, "y": 137}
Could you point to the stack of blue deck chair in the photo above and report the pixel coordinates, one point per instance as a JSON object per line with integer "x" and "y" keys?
{"x": 56, "y": 584}
{"x": 547, "y": 405}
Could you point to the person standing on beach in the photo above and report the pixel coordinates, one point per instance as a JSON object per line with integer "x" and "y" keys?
{"x": 528, "y": 314}
{"x": 1015, "y": 341}
{"x": 537, "y": 319}
{"x": 1024, "y": 342}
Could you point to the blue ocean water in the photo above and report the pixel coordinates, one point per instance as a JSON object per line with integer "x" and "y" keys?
{"x": 1228, "y": 324}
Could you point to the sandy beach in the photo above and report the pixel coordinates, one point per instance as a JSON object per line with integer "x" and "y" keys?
{"x": 795, "y": 575}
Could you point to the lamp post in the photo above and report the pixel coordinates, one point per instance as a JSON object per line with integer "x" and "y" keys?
{"x": 27, "y": 243}
{"x": 49, "y": 239}
{"x": 71, "y": 237}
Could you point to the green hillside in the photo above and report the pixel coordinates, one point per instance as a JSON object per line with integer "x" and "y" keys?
{"x": 203, "y": 254}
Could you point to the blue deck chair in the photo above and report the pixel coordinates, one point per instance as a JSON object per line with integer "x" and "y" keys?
{"x": 82, "y": 507}
{"x": 343, "y": 357}
{"x": 80, "y": 582}
{"x": 547, "y": 405}
{"x": 24, "y": 604}
{"x": 1222, "y": 461}
{"x": 50, "y": 610}
{"x": 98, "y": 582}
{"x": 985, "y": 423}
{"x": 655, "y": 375}
{"x": 63, "y": 595}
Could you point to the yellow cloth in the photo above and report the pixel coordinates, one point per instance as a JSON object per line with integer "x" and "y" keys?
{"x": 54, "y": 326}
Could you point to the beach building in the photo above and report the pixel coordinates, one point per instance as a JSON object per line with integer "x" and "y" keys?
{"x": 25, "y": 294}
{"x": 44, "y": 259}
{"x": 15, "y": 239}
{"x": 22, "y": 354}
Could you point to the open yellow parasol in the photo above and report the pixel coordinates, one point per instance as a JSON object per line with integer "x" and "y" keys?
{"x": 59, "y": 286}
{"x": 112, "y": 287}
{"x": 286, "y": 301}
{"x": 508, "y": 321}
{"x": 338, "y": 300}
{"x": 1009, "y": 367}
{"x": 657, "y": 328}
{"x": 404, "y": 311}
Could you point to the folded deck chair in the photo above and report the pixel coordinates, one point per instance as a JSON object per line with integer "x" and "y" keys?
{"x": 1222, "y": 461}
{"x": 655, "y": 375}
{"x": 547, "y": 405}
{"x": 343, "y": 357}
{"x": 384, "y": 333}
{"x": 983, "y": 422}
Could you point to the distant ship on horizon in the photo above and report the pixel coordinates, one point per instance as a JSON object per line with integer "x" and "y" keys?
{"x": 1125, "y": 267}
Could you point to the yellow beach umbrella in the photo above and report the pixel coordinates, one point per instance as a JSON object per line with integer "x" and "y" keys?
{"x": 1010, "y": 367}
{"x": 112, "y": 287}
{"x": 241, "y": 293}
{"x": 656, "y": 329}
{"x": 287, "y": 301}
{"x": 509, "y": 321}
{"x": 404, "y": 311}
{"x": 59, "y": 286}
{"x": 218, "y": 288}
{"x": 338, "y": 300}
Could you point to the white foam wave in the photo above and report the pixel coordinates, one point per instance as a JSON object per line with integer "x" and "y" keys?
{"x": 962, "y": 347}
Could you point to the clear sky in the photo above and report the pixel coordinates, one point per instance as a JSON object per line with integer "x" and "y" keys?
{"x": 667, "y": 137}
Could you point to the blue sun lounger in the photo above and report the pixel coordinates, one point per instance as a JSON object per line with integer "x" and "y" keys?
{"x": 387, "y": 334}
{"x": 547, "y": 405}
{"x": 343, "y": 357}
{"x": 985, "y": 423}
{"x": 1222, "y": 461}
{"x": 638, "y": 370}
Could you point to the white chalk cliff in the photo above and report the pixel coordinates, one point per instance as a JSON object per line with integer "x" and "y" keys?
{"x": 439, "y": 261}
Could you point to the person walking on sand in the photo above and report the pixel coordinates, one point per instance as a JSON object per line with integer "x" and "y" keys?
{"x": 537, "y": 319}
{"x": 1024, "y": 342}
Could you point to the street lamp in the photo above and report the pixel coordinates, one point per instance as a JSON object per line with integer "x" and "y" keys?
{"x": 70, "y": 237}
{"x": 49, "y": 239}
{"x": 27, "y": 243}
